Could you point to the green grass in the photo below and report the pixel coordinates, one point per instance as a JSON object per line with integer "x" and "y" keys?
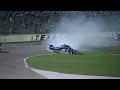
{"x": 90, "y": 63}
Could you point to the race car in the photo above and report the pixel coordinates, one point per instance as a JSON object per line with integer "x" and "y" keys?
{"x": 55, "y": 49}
{"x": 64, "y": 48}
{"x": 73, "y": 51}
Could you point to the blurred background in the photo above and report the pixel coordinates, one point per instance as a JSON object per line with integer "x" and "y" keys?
{"x": 40, "y": 22}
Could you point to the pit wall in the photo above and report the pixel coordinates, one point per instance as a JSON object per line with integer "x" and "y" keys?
{"x": 39, "y": 37}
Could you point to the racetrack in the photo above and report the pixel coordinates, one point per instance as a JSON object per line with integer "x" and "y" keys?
{"x": 12, "y": 64}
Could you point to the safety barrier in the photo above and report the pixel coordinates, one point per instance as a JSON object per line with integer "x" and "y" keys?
{"x": 39, "y": 37}
{"x": 23, "y": 38}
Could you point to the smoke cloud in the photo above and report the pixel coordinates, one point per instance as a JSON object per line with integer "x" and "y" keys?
{"x": 80, "y": 33}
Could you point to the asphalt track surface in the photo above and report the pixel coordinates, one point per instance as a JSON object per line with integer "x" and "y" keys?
{"x": 12, "y": 64}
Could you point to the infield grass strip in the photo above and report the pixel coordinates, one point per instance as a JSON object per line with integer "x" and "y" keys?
{"x": 90, "y": 63}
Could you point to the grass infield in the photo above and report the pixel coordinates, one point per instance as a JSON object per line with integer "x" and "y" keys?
{"x": 103, "y": 63}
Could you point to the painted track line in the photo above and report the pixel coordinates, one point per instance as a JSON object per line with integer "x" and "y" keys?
{"x": 34, "y": 56}
{"x": 57, "y": 75}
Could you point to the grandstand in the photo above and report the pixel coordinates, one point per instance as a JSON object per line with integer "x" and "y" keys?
{"x": 38, "y": 22}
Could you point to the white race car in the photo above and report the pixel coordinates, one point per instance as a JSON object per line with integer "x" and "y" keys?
{"x": 64, "y": 48}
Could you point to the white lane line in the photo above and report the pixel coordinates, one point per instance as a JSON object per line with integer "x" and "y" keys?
{"x": 34, "y": 56}
{"x": 57, "y": 75}
{"x": 25, "y": 62}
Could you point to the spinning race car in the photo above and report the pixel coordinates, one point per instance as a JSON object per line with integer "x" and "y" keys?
{"x": 63, "y": 48}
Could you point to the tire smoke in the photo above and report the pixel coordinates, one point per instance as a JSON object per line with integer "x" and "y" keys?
{"x": 80, "y": 33}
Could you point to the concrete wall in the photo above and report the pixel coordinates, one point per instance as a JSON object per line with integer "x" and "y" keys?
{"x": 39, "y": 37}
{"x": 22, "y": 38}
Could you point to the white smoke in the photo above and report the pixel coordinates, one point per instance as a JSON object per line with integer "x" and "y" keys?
{"x": 79, "y": 32}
